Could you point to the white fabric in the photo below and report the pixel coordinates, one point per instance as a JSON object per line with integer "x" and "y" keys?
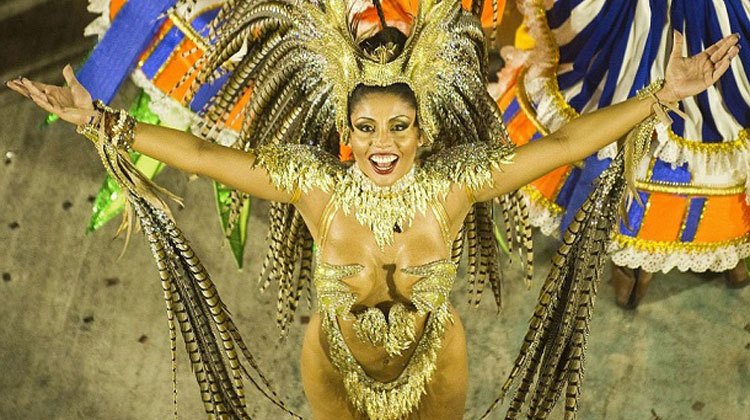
{"x": 721, "y": 259}
{"x": 541, "y": 217}
{"x": 99, "y": 25}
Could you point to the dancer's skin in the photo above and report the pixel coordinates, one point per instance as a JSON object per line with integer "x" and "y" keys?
{"x": 384, "y": 123}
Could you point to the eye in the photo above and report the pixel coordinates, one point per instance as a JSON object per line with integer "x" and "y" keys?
{"x": 365, "y": 128}
{"x": 400, "y": 127}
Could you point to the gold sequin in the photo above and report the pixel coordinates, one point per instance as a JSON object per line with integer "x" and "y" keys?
{"x": 396, "y": 399}
{"x": 383, "y": 209}
{"x": 387, "y": 209}
{"x": 395, "y": 333}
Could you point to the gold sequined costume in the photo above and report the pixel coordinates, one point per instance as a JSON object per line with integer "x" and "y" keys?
{"x": 303, "y": 62}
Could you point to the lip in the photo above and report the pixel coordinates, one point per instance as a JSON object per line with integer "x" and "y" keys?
{"x": 380, "y": 169}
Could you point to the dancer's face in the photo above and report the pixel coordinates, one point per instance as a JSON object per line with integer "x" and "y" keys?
{"x": 384, "y": 136}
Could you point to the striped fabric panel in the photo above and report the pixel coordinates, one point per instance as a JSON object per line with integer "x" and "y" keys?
{"x": 611, "y": 48}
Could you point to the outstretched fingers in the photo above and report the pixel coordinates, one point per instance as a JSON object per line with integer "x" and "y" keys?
{"x": 719, "y": 50}
{"x": 723, "y": 65}
{"x": 70, "y": 77}
{"x": 18, "y": 87}
{"x": 677, "y": 45}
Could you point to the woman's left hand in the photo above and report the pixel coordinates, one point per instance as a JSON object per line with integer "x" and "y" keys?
{"x": 688, "y": 76}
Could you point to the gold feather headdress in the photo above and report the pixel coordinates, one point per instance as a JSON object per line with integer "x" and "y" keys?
{"x": 304, "y": 62}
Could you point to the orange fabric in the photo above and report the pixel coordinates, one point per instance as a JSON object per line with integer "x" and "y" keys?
{"x": 521, "y": 129}
{"x": 393, "y": 10}
{"x": 175, "y": 68}
{"x": 114, "y": 8}
{"x": 345, "y": 152}
{"x": 403, "y": 10}
{"x": 664, "y": 216}
{"x": 504, "y": 101}
{"x": 235, "y": 118}
{"x": 724, "y": 218}
{"x": 549, "y": 185}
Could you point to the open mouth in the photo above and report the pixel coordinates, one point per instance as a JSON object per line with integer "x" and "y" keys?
{"x": 383, "y": 163}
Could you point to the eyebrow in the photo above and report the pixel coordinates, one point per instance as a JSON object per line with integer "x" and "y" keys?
{"x": 402, "y": 116}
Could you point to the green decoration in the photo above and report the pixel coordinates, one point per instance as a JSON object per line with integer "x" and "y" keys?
{"x": 238, "y": 236}
{"x": 51, "y": 119}
{"x": 501, "y": 241}
{"x": 110, "y": 201}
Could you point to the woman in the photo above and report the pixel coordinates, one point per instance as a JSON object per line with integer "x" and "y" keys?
{"x": 386, "y": 342}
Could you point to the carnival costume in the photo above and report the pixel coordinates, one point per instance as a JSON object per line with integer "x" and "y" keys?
{"x": 155, "y": 43}
{"x": 693, "y": 212}
{"x": 303, "y": 62}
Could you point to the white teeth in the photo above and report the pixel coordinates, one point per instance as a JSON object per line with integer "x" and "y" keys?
{"x": 383, "y": 159}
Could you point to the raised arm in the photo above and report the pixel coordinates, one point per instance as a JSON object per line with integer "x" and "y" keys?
{"x": 177, "y": 149}
{"x": 590, "y": 132}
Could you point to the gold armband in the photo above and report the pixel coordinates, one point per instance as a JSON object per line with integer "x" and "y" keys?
{"x": 117, "y": 126}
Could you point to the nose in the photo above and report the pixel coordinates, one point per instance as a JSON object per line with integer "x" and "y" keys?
{"x": 382, "y": 139}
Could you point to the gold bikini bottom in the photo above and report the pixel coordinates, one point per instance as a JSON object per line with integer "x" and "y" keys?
{"x": 396, "y": 399}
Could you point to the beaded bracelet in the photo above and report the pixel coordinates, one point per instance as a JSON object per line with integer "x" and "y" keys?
{"x": 117, "y": 126}
{"x": 660, "y": 108}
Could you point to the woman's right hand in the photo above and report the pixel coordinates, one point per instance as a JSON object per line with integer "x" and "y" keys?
{"x": 71, "y": 103}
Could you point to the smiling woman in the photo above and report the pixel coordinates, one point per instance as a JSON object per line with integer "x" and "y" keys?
{"x": 385, "y": 132}
{"x": 381, "y": 238}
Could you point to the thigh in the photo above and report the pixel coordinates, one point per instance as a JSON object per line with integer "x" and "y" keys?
{"x": 446, "y": 393}
{"x": 323, "y": 385}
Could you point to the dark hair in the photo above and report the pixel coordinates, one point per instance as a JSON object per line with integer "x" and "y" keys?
{"x": 385, "y": 36}
{"x": 496, "y": 63}
{"x": 388, "y": 35}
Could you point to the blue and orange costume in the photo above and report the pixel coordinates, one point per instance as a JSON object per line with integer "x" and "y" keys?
{"x": 581, "y": 55}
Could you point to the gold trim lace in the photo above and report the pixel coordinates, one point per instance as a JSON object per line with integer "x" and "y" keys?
{"x": 385, "y": 210}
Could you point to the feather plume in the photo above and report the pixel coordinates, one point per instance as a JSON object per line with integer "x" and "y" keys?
{"x": 553, "y": 351}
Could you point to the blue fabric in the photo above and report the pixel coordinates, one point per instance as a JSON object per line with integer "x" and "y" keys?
{"x": 206, "y": 92}
{"x": 636, "y": 212}
{"x": 651, "y": 49}
{"x": 563, "y": 196}
{"x": 597, "y": 50}
{"x": 604, "y": 64}
{"x": 117, "y": 53}
{"x": 511, "y": 111}
{"x": 171, "y": 42}
{"x": 200, "y": 23}
{"x": 162, "y": 52}
{"x": 663, "y": 172}
{"x": 695, "y": 210}
{"x": 697, "y": 29}
{"x": 583, "y": 187}
{"x": 740, "y": 23}
{"x": 560, "y": 12}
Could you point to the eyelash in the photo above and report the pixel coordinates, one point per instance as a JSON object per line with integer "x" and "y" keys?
{"x": 370, "y": 129}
